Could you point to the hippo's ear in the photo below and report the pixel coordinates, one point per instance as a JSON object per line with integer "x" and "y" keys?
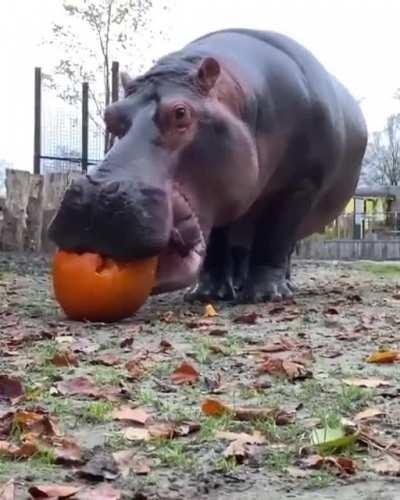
{"x": 208, "y": 73}
{"x": 125, "y": 80}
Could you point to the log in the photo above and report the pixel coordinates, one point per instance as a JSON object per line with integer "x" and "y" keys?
{"x": 54, "y": 186}
{"x": 14, "y": 213}
{"x": 34, "y": 215}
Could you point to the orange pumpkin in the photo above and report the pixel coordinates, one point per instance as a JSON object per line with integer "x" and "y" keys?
{"x": 95, "y": 288}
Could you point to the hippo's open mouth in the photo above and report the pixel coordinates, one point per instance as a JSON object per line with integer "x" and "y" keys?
{"x": 179, "y": 263}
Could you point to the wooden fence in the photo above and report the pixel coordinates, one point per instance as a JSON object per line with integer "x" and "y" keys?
{"x": 32, "y": 201}
{"x": 30, "y": 204}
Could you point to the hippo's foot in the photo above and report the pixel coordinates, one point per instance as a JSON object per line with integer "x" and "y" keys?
{"x": 266, "y": 283}
{"x": 211, "y": 288}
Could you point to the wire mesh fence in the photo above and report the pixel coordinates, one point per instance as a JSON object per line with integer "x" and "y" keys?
{"x": 68, "y": 137}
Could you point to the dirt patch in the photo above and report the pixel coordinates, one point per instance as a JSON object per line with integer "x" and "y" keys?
{"x": 299, "y": 365}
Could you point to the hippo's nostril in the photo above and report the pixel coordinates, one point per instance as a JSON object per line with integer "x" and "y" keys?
{"x": 111, "y": 187}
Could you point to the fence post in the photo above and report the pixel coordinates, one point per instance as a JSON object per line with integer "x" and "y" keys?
{"x": 115, "y": 81}
{"x": 85, "y": 126}
{"x": 114, "y": 89}
{"x": 37, "y": 121}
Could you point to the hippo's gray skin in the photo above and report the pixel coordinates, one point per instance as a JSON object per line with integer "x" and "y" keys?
{"x": 228, "y": 152}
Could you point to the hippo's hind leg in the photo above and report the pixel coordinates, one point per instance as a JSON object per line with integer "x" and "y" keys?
{"x": 273, "y": 244}
{"x": 224, "y": 270}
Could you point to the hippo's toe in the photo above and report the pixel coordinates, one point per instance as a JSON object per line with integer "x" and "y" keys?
{"x": 266, "y": 283}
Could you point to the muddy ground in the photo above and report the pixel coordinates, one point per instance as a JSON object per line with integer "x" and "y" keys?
{"x": 342, "y": 313}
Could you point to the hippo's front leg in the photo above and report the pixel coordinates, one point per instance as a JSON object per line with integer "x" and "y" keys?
{"x": 274, "y": 241}
{"x": 216, "y": 280}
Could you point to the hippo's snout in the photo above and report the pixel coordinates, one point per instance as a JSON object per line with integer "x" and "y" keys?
{"x": 113, "y": 218}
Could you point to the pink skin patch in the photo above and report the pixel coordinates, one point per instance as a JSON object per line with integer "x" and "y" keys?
{"x": 180, "y": 262}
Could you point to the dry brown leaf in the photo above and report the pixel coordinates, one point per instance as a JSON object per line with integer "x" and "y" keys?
{"x": 165, "y": 345}
{"x": 82, "y": 386}
{"x": 11, "y": 388}
{"x": 10, "y": 450}
{"x": 107, "y": 359}
{"x": 367, "y": 382}
{"x": 386, "y": 466}
{"x": 384, "y": 357}
{"x": 342, "y": 464}
{"x": 55, "y": 491}
{"x": 127, "y": 460}
{"x": 64, "y": 358}
{"x": 368, "y": 414}
{"x": 137, "y": 415}
{"x": 215, "y": 407}
{"x": 289, "y": 368}
{"x": 66, "y": 451}
{"x": 136, "y": 434}
{"x": 240, "y": 450}
{"x": 185, "y": 374}
{"x": 135, "y": 369}
{"x": 331, "y": 310}
{"x": 7, "y": 490}
{"x": 255, "y": 438}
{"x": 247, "y": 319}
{"x": 36, "y": 422}
{"x": 281, "y": 417}
{"x": 209, "y": 311}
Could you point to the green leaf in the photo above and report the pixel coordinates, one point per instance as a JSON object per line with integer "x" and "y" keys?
{"x": 332, "y": 438}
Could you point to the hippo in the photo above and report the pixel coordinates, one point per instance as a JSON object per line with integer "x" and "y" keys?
{"x": 227, "y": 153}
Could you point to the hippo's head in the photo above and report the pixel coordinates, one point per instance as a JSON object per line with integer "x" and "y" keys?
{"x": 183, "y": 163}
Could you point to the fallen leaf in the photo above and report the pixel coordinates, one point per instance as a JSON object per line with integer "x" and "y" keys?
{"x": 64, "y": 358}
{"x": 331, "y": 310}
{"x": 127, "y": 461}
{"x": 37, "y": 422}
{"x": 107, "y": 359}
{"x": 247, "y": 319}
{"x": 209, "y": 311}
{"x": 102, "y": 492}
{"x": 248, "y": 413}
{"x": 290, "y": 368}
{"x": 7, "y": 490}
{"x": 55, "y": 491}
{"x": 185, "y": 428}
{"x": 240, "y": 450}
{"x": 135, "y": 369}
{"x": 10, "y": 450}
{"x": 368, "y": 414}
{"x": 185, "y": 374}
{"x": 66, "y": 451}
{"x": 367, "y": 382}
{"x": 200, "y": 324}
{"x": 165, "y": 345}
{"x": 79, "y": 385}
{"x": 6, "y": 422}
{"x": 214, "y": 407}
{"x": 274, "y": 310}
{"x": 255, "y": 438}
{"x": 137, "y": 415}
{"x": 218, "y": 332}
{"x": 387, "y": 466}
{"x": 100, "y": 467}
{"x": 342, "y": 464}
{"x": 384, "y": 357}
{"x": 10, "y": 388}
{"x": 136, "y": 434}
{"x": 332, "y": 438}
